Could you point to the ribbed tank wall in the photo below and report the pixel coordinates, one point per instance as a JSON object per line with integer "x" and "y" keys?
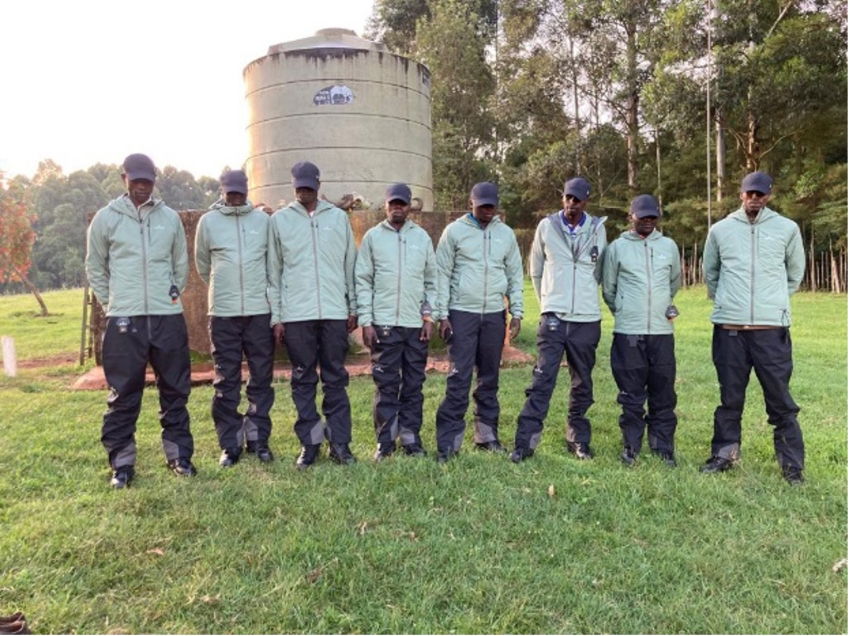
{"x": 362, "y": 116}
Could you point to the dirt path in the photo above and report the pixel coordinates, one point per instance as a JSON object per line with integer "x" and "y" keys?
{"x": 203, "y": 373}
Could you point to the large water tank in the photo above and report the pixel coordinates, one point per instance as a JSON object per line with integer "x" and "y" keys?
{"x": 359, "y": 112}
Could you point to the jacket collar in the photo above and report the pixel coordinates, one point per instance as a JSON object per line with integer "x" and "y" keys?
{"x": 765, "y": 214}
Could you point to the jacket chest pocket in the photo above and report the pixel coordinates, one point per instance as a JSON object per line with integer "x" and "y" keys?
{"x": 158, "y": 238}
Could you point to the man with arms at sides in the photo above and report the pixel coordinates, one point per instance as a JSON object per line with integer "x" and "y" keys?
{"x": 566, "y": 268}
{"x": 478, "y": 266}
{"x": 137, "y": 266}
{"x": 311, "y": 290}
{"x": 395, "y": 279}
{"x": 753, "y": 263}
{"x": 641, "y": 275}
{"x": 230, "y": 253}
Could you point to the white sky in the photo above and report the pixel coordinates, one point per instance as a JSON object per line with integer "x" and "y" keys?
{"x": 92, "y": 81}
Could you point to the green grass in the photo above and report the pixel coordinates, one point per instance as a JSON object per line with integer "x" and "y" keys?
{"x": 37, "y": 337}
{"x": 476, "y": 546}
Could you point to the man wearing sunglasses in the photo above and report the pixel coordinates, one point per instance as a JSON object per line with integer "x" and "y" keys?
{"x": 753, "y": 262}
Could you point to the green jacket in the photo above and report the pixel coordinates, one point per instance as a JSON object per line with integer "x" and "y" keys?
{"x": 477, "y": 268}
{"x": 311, "y": 264}
{"x": 230, "y": 254}
{"x": 751, "y": 269}
{"x": 640, "y": 277}
{"x": 135, "y": 256}
{"x": 395, "y": 276}
{"x": 566, "y": 271}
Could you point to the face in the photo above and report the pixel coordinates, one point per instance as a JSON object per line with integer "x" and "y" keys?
{"x": 306, "y": 196}
{"x": 754, "y": 201}
{"x": 644, "y": 226}
{"x": 573, "y": 206}
{"x": 140, "y": 190}
{"x": 234, "y": 199}
{"x": 484, "y": 213}
{"x": 397, "y": 211}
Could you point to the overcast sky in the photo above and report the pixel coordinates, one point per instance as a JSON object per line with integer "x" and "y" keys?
{"x": 94, "y": 80}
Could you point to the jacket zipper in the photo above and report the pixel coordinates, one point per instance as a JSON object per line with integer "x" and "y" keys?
{"x": 313, "y": 228}
{"x": 145, "y": 265}
{"x": 398, "y": 288}
{"x": 142, "y": 223}
{"x": 647, "y": 257}
{"x": 752, "y": 274}
{"x": 241, "y": 265}
{"x": 486, "y": 269}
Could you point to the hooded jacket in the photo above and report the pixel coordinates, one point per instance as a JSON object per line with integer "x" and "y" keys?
{"x": 566, "y": 271}
{"x": 135, "y": 256}
{"x": 395, "y": 276}
{"x": 477, "y": 267}
{"x": 230, "y": 254}
{"x": 311, "y": 264}
{"x": 751, "y": 269}
{"x": 640, "y": 277}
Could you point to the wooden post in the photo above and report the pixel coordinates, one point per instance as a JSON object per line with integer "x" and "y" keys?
{"x": 10, "y": 361}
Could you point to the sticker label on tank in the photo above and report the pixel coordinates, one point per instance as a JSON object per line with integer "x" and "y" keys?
{"x": 334, "y": 95}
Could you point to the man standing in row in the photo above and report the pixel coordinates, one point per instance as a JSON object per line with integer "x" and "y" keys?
{"x": 311, "y": 290}
{"x": 641, "y": 275}
{"x": 479, "y": 265}
{"x": 137, "y": 266}
{"x": 753, "y": 262}
{"x": 395, "y": 278}
{"x": 230, "y": 254}
{"x": 565, "y": 268}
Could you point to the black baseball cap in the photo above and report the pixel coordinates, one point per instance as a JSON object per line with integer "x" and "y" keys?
{"x": 484, "y": 193}
{"x": 234, "y": 181}
{"x": 139, "y": 166}
{"x": 577, "y": 187}
{"x": 398, "y": 191}
{"x": 758, "y": 182}
{"x": 305, "y": 175}
{"x": 645, "y": 205}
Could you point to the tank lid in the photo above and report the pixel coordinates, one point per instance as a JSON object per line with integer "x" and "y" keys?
{"x": 332, "y": 38}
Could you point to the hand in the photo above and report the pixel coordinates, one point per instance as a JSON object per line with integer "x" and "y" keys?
{"x": 370, "y": 337}
{"x": 351, "y": 323}
{"x": 514, "y": 327}
{"x": 278, "y": 331}
{"x": 445, "y": 329}
{"x": 426, "y": 331}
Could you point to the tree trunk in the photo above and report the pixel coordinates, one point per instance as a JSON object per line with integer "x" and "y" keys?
{"x": 576, "y": 113}
{"x": 633, "y": 100}
{"x": 658, "y": 169}
{"x": 26, "y": 281}
{"x": 752, "y": 149}
{"x": 720, "y": 153}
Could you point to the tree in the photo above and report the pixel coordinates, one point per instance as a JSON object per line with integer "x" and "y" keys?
{"x": 16, "y": 240}
{"x": 451, "y": 44}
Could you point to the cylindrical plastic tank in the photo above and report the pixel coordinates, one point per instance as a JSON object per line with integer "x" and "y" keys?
{"x": 359, "y": 112}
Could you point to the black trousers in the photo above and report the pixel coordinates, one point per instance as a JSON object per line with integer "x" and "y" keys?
{"x": 398, "y": 368}
{"x": 555, "y": 337}
{"x": 644, "y": 369}
{"x": 323, "y": 343}
{"x": 477, "y": 343}
{"x": 231, "y": 337}
{"x": 768, "y": 351}
{"x": 162, "y": 341}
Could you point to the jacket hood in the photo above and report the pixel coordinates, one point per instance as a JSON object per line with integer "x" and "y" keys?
{"x": 321, "y": 206}
{"x": 471, "y": 221}
{"x": 764, "y": 215}
{"x": 123, "y": 205}
{"x": 634, "y": 236}
{"x": 231, "y": 210}
{"x": 388, "y": 226}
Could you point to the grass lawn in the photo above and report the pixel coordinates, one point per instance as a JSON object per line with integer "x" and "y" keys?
{"x": 476, "y": 546}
